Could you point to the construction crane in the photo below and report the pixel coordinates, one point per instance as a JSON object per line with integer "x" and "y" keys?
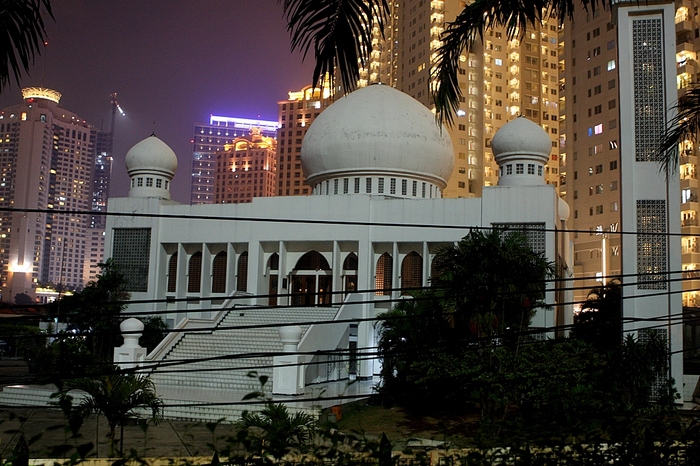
{"x": 115, "y": 107}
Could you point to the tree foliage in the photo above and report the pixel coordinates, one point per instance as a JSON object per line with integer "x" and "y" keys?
{"x": 600, "y": 320}
{"x": 115, "y": 395}
{"x": 22, "y": 36}
{"x": 465, "y": 344}
{"x": 486, "y": 286}
{"x": 340, "y": 32}
{"x": 95, "y": 312}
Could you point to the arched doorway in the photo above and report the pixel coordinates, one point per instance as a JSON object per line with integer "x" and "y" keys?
{"x": 312, "y": 281}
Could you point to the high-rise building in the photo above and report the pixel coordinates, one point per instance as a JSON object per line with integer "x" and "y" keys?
{"x": 211, "y": 138}
{"x": 102, "y": 173}
{"x": 47, "y": 159}
{"x": 500, "y": 79}
{"x": 295, "y": 116}
{"x": 246, "y": 169}
{"x": 592, "y": 131}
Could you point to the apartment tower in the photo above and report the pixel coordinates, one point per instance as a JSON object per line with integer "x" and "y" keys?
{"x": 46, "y": 164}
{"x": 295, "y": 116}
{"x": 500, "y": 79}
{"x": 591, "y": 126}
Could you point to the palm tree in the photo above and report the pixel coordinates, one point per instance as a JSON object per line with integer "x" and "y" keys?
{"x": 115, "y": 395}
{"x": 340, "y": 32}
{"x": 275, "y": 431}
{"x": 22, "y": 36}
{"x": 600, "y": 319}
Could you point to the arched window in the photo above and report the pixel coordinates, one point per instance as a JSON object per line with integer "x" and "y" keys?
{"x": 383, "y": 275}
{"x": 411, "y": 272}
{"x": 312, "y": 260}
{"x": 350, "y": 272}
{"x": 434, "y": 272}
{"x": 273, "y": 265}
{"x": 218, "y": 273}
{"x": 242, "y": 272}
{"x": 194, "y": 273}
{"x": 172, "y": 274}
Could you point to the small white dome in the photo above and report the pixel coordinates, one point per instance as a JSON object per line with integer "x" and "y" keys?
{"x": 521, "y": 149}
{"x": 131, "y": 325}
{"x": 521, "y": 137}
{"x": 377, "y": 131}
{"x": 564, "y": 210}
{"x": 152, "y": 155}
{"x": 151, "y": 165}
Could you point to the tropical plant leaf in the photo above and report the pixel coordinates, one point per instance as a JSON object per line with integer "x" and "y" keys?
{"x": 22, "y": 36}
{"x": 684, "y": 126}
{"x": 473, "y": 22}
{"x": 340, "y": 33}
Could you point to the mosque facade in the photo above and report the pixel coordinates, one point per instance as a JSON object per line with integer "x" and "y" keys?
{"x": 372, "y": 227}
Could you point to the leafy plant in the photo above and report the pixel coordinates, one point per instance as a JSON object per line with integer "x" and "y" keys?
{"x": 117, "y": 396}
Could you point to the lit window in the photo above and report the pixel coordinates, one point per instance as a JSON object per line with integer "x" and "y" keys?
{"x": 498, "y": 62}
{"x": 598, "y": 129}
{"x": 611, "y": 65}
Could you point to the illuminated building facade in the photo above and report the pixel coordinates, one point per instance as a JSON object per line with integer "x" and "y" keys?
{"x": 590, "y": 61}
{"x": 295, "y": 116}
{"x": 208, "y": 139}
{"x": 101, "y": 177}
{"x": 500, "y": 79}
{"x": 47, "y": 157}
{"x": 245, "y": 169}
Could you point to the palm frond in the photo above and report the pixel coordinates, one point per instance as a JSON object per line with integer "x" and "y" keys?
{"x": 22, "y": 36}
{"x": 472, "y": 23}
{"x": 340, "y": 32}
{"x": 685, "y": 126}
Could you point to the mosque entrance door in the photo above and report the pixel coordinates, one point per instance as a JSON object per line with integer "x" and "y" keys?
{"x": 312, "y": 281}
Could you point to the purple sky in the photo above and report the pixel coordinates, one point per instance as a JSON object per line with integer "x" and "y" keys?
{"x": 172, "y": 61}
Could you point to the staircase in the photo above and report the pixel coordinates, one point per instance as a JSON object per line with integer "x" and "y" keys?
{"x": 212, "y": 366}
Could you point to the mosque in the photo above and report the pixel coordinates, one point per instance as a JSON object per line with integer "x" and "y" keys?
{"x": 324, "y": 265}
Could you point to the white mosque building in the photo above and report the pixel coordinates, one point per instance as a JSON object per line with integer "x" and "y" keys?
{"x": 377, "y": 163}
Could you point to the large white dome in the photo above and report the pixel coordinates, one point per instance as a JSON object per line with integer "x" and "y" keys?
{"x": 377, "y": 131}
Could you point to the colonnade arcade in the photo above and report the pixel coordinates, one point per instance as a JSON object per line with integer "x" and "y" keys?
{"x": 298, "y": 273}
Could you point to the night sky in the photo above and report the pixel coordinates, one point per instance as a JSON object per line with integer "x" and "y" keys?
{"x": 174, "y": 62}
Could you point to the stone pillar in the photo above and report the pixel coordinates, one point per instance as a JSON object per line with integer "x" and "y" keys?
{"x": 130, "y": 354}
{"x": 288, "y": 369}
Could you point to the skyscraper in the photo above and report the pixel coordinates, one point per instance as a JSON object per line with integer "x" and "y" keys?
{"x": 499, "y": 79}
{"x": 295, "y": 116}
{"x": 210, "y": 138}
{"x": 245, "y": 169}
{"x": 47, "y": 156}
{"x": 592, "y": 122}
